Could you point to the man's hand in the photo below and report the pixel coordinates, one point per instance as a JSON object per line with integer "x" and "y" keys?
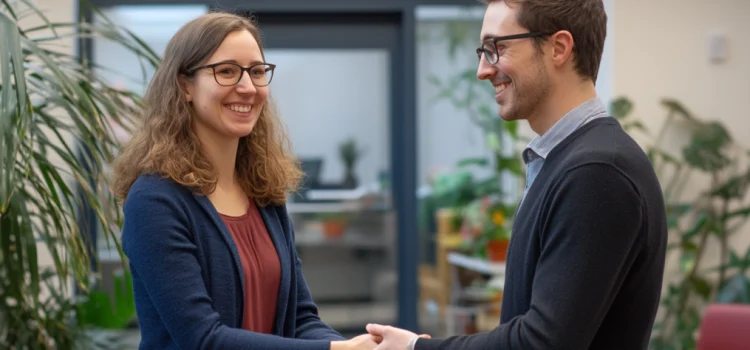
{"x": 393, "y": 338}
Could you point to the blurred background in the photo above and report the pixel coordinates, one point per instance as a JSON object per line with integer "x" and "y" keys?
{"x": 411, "y": 178}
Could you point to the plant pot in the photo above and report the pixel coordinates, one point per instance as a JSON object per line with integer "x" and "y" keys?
{"x": 350, "y": 180}
{"x": 333, "y": 228}
{"x": 497, "y": 250}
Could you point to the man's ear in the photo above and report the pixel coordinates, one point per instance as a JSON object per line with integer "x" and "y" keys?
{"x": 562, "y": 50}
{"x": 186, "y": 85}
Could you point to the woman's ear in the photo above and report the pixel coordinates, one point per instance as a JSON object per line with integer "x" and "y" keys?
{"x": 186, "y": 85}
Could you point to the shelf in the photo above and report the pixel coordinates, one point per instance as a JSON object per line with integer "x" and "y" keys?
{"x": 313, "y": 238}
{"x": 312, "y": 207}
{"x": 476, "y": 264}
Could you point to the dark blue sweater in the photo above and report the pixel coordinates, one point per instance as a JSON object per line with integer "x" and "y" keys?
{"x": 187, "y": 275}
{"x": 586, "y": 258}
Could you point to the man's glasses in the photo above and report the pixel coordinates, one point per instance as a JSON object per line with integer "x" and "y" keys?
{"x": 229, "y": 74}
{"x": 490, "y": 50}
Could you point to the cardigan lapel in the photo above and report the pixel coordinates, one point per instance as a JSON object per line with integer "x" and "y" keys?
{"x": 227, "y": 237}
{"x": 271, "y": 219}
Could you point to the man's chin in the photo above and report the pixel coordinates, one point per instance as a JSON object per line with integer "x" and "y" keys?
{"x": 507, "y": 115}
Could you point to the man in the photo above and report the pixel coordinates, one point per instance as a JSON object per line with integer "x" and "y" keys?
{"x": 585, "y": 264}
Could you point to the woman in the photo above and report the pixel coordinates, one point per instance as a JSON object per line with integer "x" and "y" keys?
{"x": 204, "y": 181}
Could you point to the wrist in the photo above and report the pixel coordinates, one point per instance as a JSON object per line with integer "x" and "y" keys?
{"x": 339, "y": 345}
{"x": 412, "y": 343}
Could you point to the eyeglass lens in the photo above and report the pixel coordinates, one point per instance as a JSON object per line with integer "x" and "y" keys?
{"x": 228, "y": 74}
{"x": 490, "y": 52}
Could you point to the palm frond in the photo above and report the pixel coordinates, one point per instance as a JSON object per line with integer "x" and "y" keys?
{"x": 56, "y": 136}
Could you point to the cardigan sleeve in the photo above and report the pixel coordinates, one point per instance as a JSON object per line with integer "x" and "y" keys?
{"x": 157, "y": 240}
{"x": 589, "y": 241}
{"x": 308, "y": 323}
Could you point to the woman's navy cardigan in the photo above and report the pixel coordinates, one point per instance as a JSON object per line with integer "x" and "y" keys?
{"x": 187, "y": 275}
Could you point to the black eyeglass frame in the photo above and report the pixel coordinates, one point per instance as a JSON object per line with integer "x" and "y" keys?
{"x": 480, "y": 50}
{"x": 247, "y": 69}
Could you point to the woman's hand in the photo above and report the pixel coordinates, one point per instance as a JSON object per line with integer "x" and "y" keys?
{"x": 362, "y": 342}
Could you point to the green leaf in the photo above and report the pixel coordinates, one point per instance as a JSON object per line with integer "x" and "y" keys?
{"x": 744, "y": 212}
{"x": 675, "y": 212}
{"x": 701, "y": 286}
{"x": 620, "y": 107}
{"x": 472, "y": 161}
{"x": 675, "y": 106}
{"x": 735, "y": 290}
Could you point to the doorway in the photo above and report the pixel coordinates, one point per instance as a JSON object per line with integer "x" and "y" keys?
{"x": 336, "y": 87}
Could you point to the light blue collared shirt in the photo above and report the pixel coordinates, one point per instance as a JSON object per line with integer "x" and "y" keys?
{"x": 541, "y": 145}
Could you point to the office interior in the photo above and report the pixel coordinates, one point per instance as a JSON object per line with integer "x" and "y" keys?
{"x": 411, "y": 180}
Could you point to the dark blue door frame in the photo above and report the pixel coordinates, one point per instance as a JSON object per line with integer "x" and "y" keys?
{"x": 404, "y": 114}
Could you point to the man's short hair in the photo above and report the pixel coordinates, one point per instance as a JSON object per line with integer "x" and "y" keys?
{"x": 584, "y": 19}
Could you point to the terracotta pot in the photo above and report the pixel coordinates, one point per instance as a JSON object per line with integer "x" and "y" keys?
{"x": 333, "y": 228}
{"x": 497, "y": 249}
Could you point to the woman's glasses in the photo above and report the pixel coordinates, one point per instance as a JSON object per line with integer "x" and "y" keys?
{"x": 229, "y": 74}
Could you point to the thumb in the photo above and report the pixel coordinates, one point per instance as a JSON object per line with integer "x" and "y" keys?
{"x": 376, "y": 329}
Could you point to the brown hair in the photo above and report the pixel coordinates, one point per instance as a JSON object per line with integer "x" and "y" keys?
{"x": 165, "y": 143}
{"x": 584, "y": 19}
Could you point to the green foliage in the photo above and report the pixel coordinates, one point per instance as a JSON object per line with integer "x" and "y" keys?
{"x": 713, "y": 217}
{"x": 52, "y": 107}
{"x": 100, "y": 311}
{"x": 475, "y": 200}
{"x": 349, "y": 152}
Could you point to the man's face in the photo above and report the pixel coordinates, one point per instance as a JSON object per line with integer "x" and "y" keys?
{"x": 520, "y": 76}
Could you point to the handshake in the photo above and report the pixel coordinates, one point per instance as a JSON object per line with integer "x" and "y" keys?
{"x": 379, "y": 337}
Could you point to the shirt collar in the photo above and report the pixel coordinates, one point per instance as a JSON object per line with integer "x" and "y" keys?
{"x": 542, "y": 145}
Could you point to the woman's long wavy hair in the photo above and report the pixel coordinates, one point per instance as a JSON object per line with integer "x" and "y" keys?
{"x": 165, "y": 143}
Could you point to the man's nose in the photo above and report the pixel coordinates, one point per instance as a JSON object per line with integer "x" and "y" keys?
{"x": 485, "y": 70}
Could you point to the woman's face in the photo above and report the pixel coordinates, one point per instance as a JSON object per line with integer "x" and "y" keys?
{"x": 228, "y": 112}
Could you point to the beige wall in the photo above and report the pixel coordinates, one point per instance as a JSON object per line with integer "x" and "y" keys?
{"x": 661, "y": 50}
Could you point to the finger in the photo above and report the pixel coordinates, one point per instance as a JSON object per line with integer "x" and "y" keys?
{"x": 376, "y": 329}
{"x": 426, "y": 336}
{"x": 377, "y": 339}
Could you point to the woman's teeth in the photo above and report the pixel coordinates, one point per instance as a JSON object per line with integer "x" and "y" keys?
{"x": 241, "y": 109}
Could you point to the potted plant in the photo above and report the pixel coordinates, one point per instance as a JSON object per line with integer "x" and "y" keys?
{"x": 350, "y": 154}
{"x": 486, "y": 228}
{"x": 56, "y": 135}
{"x": 334, "y": 224}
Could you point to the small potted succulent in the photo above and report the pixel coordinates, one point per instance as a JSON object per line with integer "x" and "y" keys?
{"x": 350, "y": 154}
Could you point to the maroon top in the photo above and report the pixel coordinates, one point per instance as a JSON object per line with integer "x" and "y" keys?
{"x": 261, "y": 269}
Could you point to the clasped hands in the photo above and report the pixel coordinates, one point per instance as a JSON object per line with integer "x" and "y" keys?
{"x": 379, "y": 337}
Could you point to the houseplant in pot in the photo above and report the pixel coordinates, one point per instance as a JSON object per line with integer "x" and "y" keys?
{"x": 350, "y": 153}
{"x": 56, "y": 134}
{"x": 487, "y": 229}
{"x": 334, "y": 224}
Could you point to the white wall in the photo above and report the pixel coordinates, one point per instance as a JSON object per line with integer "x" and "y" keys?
{"x": 325, "y": 97}
{"x": 445, "y": 133}
{"x": 662, "y": 51}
